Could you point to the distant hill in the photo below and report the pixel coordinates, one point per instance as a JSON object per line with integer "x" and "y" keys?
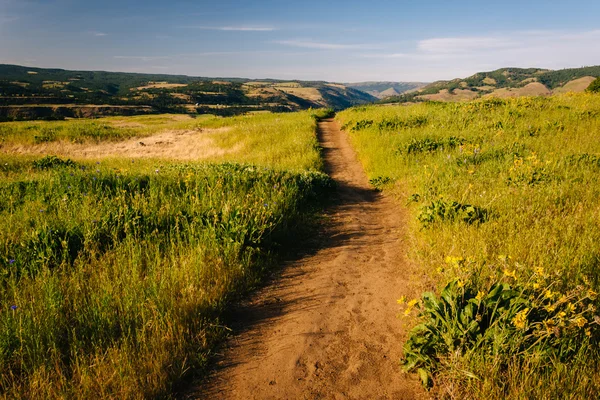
{"x": 29, "y": 93}
{"x": 505, "y": 82}
{"x": 383, "y": 90}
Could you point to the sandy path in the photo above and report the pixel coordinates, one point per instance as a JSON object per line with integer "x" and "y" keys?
{"x": 193, "y": 144}
{"x": 327, "y": 328}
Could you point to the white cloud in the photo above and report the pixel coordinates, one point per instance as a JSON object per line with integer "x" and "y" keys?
{"x": 465, "y": 44}
{"x": 454, "y": 57}
{"x": 236, "y": 28}
{"x": 7, "y": 19}
{"x": 307, "y": 44}
{"x": 386, "y": 55}
{"x": 99, "y": 34}
{"x": 247, "y": 28}
{"x": 142, "y": 58}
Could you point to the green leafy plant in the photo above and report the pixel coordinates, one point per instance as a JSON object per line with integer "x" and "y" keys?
{"x": 441, "y": 210}
{"x": 49, "y": 162}
{"x": 514, "y": 317}
{"x": 430, "y": 144}
{"x": 381, "y": 181}
{"x": 594, "y": 86}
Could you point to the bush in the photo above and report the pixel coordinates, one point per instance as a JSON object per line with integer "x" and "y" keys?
{"x": 441, "y": 210}
{"x": 512, "y": 318}
{"x": 594, "y": 86}
{"x": 49, "y": 162}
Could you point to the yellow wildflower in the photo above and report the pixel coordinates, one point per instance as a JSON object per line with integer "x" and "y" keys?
{"x": 549, "y": 294}
{"x": 480, "y": 295}
{"x": 580, "y": 321}
{"x": 550, "y": 308}
{"x": 570, "y": 308}
{"x": 520, "y": 320}
{"x": 401, "y": 300}
{"x": 592, "y": 294}
{"x": 510, "y": 274}
{"x": 454, "y": 260}
{"x": 536, "y": 285}
{"x": 410, "y": 305}
{"x": 562, "y": 314}
{"x": 591, "y": 308}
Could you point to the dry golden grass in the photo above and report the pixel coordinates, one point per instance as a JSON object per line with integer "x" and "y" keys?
{"x": 445, "y": 95}
{"x": 185, "y": 145}
{"x": 311, "y": 94}
{"x": 289, "y": 84}
{"x": 160, "y": 85}
{"x": 531, "y": 89}
{"x": 576, "y": 85}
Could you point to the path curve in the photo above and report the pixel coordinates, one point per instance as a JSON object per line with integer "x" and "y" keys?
{"x": 327, "y": 327}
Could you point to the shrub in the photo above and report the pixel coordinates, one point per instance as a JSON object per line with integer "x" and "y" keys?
{"x": 594, "y": 86}
{"x": 49, "y": 162}
{"x": 381, "y": 181}
{"x": 512, "y": 318}
{"x": 430, "y": 145}
{"x": 442, "y": 210}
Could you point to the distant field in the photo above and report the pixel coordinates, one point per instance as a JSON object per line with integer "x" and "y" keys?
{"x": 504, "y": 199}
{"x": 115, "y": 268}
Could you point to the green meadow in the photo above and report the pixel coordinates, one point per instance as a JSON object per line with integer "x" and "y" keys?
{"x": 503, "y": 196}
{"x": 114, "y": 273}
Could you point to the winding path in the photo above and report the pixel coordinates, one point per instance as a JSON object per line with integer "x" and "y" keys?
{"x": 327, "y": 327}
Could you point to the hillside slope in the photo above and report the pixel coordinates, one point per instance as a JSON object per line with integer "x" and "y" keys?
{"x": 29, "y": 93}
{"x": 383, "y": 90}
{"x": 505, "y": 82}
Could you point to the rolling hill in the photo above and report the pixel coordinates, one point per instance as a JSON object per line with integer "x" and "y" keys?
{"x": 503, "y": 83}
{"x": 34, "y": 93}
{"x": 383, "y": 90}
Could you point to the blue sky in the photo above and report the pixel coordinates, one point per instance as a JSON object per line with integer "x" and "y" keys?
{"x": 339, "y": 41}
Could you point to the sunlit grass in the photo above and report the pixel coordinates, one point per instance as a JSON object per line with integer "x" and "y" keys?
{"x": 114, "y": 273}
{"x": 532, "y": 165}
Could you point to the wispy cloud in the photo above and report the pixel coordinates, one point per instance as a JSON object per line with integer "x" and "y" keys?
{"x": 465, "y": 44}
{"x": 98, "y": 34}
{"x": 386, "y": 55}
{"x": 236, "y": 28}
{"x": 308, "y": 44}
{"x": 446, "y": 57}
{"x": 143, "y": 58}
{"x": 7, "y": 19}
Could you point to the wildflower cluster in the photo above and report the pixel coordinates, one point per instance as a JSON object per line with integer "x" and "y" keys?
{"x": 518, "y": 315}
{"x": 527, "y": 171}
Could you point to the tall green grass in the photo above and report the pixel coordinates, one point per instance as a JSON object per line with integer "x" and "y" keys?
{"x": 498, "y": 190}
{"x": 114, "y": 274}
{"x": 276, "y": 140}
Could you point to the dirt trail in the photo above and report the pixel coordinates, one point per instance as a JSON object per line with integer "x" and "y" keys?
{"x": 327, "y": 328}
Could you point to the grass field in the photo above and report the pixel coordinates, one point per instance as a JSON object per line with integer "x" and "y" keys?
{"x": 504, "y": 201}
{"x": 91, "y": 130}
{"x": 114, "y": 273}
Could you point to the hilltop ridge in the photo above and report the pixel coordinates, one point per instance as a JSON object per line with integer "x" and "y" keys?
{"x": 31, "y": 93}
{"x": 503, "y": 83}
